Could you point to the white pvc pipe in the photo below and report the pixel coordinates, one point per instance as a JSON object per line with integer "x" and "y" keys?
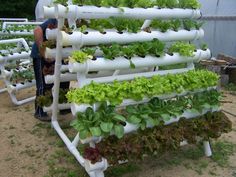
{"x": 68, "y": 143}
{"x": 207, "y": 148}
{"x": 99, "y": 166}
{"x": 20, "y": 102}
{"x": 51, "y": 53}
{"x": 93, "y": 12}
{"x": 49, "y": 12}
{"x": 146, "y": 24}
{"x": 129, "y": 128}
{"x": 132, "y": 76}
{"x": 64, "y": 68}
{"x": 51, "y": 34}
{"x": 3, "y": 90}
{"x": 17, "y": 87}
{"x": 14, "y": 19}
{"x": 7, "y": 74}
{"x": 49, "y": 79}
{"x": 15, "y": 56}
{"x": 66, "y": 52}
{"x": 121, "y": 63}
{"x": 19, "y": 40}
{"x": 80, "y": 39}
{"x": 17, "y": 33}
{"x": 5, "y": 24}
{"x": 60, "y": 107}
{"x": 75, "y": 108}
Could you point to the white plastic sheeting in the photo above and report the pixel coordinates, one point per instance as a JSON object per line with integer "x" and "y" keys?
{"x": 220, "y": 34}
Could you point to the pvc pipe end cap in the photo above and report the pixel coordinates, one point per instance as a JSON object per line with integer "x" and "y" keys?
{"x": 48, "y": 12}
{"x": 60, "y": 10}
{"x": 201, "y": 33}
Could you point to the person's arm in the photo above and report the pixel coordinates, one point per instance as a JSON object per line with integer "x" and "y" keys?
{"x": 38, "y": 36}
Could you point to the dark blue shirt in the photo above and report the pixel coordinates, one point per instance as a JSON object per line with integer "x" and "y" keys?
{"x": 44, "y": 26}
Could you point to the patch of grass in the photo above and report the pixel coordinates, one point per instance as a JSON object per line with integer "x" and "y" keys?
{"x": 11, "y": 127}
{"x": 231, "y": 87}
{"x": 193, "y": 153}
{"x": 222, "y": 152}
{"x": 43, "y": 125}
{"x": 120, "y": 170}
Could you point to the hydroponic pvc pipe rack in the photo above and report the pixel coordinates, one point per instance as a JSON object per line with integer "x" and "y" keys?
{"x": 118, "y": 68}
{"x": 21, "y": 54}
{"x": 8, "y": 26}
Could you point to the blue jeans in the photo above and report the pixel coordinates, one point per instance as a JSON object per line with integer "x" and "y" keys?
{"x": 41, "y": 86}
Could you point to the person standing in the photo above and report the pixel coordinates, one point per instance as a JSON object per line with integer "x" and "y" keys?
{"x": 40, "y": 63}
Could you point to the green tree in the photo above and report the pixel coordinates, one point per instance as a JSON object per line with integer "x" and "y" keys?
{"x": 17, "y": 9}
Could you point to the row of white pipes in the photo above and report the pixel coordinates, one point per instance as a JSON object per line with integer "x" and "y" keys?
{"x": 93, "y": 12}
{"x": 24, "y": 57}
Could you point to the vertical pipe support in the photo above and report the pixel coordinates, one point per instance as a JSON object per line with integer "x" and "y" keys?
{"x": 207, "y": 148}
{"x": 57, "y": 71}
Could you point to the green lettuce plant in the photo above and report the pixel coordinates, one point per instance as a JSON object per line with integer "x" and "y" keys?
{"x": 142, "y": 87}
{"x": 183, "y": 48}
{"x": 80, "y": 57}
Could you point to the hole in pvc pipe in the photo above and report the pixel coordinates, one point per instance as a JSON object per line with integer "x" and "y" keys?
{"x": 128, "y": 58}
{"x": 123, "y": 123}
{"x": 30, "y": 81}
{"x": 171, "y": 54}
{"x": 94, "y": 58}
{"x": 14, "y": 85}
{"x": 22, "y": 83}
{"x": 195, "y": 50}
{"x": 86, "y": 32}
{"x": 103, "y": 32}
{"x": 158, "y": 56}
{"x": 142, "y": 56}
{"x": 120, "y": 32}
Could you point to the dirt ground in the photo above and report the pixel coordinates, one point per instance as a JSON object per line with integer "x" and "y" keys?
{"x": 30, "y": 148}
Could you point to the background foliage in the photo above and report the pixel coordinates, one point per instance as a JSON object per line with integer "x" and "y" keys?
{"x": 18, "y": 9}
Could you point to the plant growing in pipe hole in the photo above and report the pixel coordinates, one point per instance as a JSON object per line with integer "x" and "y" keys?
{"x": 80, "y": 57}
{"x": 22, "y": 76}
{"x": 47, "y": 99}
{"x": 191, "y": 24}
{"x": 155, "y": 141}
{"x": 116, "y": 92}
{"x": 175, "y": 24}
{"x": 110, "y": 52}
{"x": 194, "y": 4}
{"x": 157, "y": 48}
{"x": 199, "y": 102}
{"x": 161, "y": 24}
{"x": 118, "y": 23}
{"x": 183, "y": 48}
{"x": 204, "y": 46}
{"x": 92, "y": 154}
{"x": 154, "y": 47}
{"x": 107, "y": 120}
{"x": 100, "y": 123}
{"x": 88, "y": 50}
